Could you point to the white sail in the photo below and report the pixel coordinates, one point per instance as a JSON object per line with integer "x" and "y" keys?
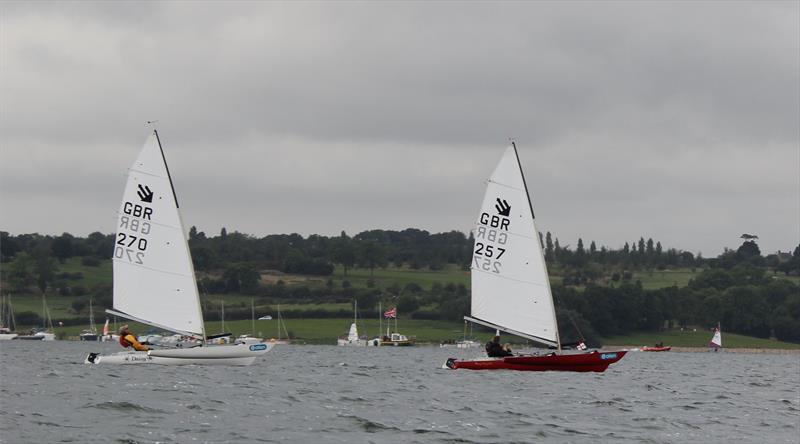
{"x": 716, "y": 341}
{"x": 353, "y": 335}
{"x": 510, "y": 287}
{"x": 154, "y": 278}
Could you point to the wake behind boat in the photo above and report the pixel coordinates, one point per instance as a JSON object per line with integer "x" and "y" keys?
{"x": 510, "y": 284}
{"x": 154, "y": 279}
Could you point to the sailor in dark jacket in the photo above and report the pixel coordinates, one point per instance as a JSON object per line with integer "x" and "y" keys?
{"x": 495, "y": 350}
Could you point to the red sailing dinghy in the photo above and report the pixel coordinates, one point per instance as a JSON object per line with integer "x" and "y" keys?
{"x": 510, "y": 286}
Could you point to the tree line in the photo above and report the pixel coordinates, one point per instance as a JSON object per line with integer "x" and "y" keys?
{"x": 596, "y": 289}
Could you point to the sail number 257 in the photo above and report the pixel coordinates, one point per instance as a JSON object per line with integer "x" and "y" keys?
{"x": 490, "y": 257}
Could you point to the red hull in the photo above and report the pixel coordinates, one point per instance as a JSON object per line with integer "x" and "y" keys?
{"x": 656, "y": 349}
{"x": 583, "y": 362}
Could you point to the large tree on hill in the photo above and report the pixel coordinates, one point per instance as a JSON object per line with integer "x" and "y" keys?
{"x": 344, "y": 252}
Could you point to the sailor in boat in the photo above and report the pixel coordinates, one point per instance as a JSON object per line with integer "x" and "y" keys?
{"x": 128, "y": 339}
{"x": 495, "y": 350}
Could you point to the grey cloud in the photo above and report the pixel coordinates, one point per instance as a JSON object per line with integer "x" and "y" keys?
{"x": 653, "y": 119}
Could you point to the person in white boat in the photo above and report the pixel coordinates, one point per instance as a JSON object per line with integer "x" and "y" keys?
{"x": 128, "y": 339}
{"x": 495, "y": 350}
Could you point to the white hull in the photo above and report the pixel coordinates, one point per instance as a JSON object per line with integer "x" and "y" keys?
{"x": 352, "y": 343}
{"x": 7, "y": 336}
{"x": 40, "y": 336}
{"x": 238, "y": 354}
{"x": 462, "y": 344}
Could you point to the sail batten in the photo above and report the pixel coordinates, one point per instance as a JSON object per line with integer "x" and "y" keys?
{"x": 510, "y": 285}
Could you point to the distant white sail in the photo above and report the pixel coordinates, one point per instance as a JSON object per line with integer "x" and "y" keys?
{"x": 153, "y": 274}
{"x": 510, "y": 286}
{"x": 716, "y": 341}
{"x": 353, "y": 334}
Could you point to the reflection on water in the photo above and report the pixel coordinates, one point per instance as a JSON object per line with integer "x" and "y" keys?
{"x": 341, "y": 394}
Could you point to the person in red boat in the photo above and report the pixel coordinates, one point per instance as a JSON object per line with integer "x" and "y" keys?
{"x": 128, "y": 339}
{"x": 495, "y": 350}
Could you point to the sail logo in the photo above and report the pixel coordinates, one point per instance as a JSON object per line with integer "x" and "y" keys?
{"x": 145, "y": 194}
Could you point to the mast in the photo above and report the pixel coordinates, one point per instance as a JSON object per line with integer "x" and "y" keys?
{"x": 538, "y": 239}
{"x": 186, "y": 242}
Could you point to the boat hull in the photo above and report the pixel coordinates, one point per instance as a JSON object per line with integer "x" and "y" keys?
{"x": 583, "y": 362}
{"x": 238, "y": 354}
{"x": 656, "y": 349}
{"x": 351, "y": 343}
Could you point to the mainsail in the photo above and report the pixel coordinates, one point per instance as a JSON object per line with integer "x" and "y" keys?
{"x": 716, "y": 340}
{"x": 510, "y": 287}
{"x": 154, "y": 278}
{"x": 353, "y": 334}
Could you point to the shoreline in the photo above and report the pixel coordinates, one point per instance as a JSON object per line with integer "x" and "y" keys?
{"x": 776, "y": 351}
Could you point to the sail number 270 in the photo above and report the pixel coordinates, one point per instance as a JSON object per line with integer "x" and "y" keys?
{"x": 124, "y": 250}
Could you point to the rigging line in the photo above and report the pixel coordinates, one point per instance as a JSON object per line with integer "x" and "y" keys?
{"x": 569, "y": 316}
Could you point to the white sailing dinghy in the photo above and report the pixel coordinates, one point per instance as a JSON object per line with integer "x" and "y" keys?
{"x": 352, "y": 339}
{"x": 716, "y": 341}
{"x": 154, "y": 279}
{"x": 510, "y": 285}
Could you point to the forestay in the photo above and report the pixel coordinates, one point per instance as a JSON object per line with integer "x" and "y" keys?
{"x": 153, "y": 274}
{"x": 510, "y": 287}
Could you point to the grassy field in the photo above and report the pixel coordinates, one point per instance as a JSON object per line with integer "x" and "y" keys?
{"x": 699, "y": 338}
{"x": 402, "y": 276}
{"x": 91, "y": 276}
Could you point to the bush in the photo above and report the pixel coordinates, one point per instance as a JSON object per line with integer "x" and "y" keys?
{"x": 90, "y": 261}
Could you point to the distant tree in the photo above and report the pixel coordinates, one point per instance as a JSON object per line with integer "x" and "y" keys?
{"x": 344, "y": 252}
{"x": 62, "y": 247}
{"x": 223, "y": 233}
{"x": 19, "y": 273}
{"x": 371, "y": 255}
{"x": 749, "y": 252}
{"x": 8, "y": 246}
{"x": 45, "y": 267}
{"x": 548, "y": 247}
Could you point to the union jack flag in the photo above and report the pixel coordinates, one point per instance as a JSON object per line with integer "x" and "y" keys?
{"x": 581, "y": 346}
{"x": 391, "y": 313}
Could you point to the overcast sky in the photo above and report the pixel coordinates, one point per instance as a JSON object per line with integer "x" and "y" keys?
{"x": 672, "y": 120}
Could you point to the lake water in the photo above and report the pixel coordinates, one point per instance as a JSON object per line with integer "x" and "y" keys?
{"x": 322, "y": 394}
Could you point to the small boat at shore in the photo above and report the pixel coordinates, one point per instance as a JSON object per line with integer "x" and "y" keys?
{"x": 391, "y": 339}
{"x": 656, "y": 349}
{"x": 716, "y": 341}
{"x": 510, "y": 284}
{"x": 352, "y": 339}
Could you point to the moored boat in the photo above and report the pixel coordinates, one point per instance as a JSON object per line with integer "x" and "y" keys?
{"x": 716, "y": 341}
{"x": 656, "y": 348}
{"x": 352, "y": 339}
